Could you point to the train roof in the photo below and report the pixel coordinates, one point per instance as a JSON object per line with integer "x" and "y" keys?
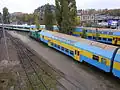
{"x": 96, "y": 47}
{"x": 85, "y": 41}
{"x": 102, "y": 29}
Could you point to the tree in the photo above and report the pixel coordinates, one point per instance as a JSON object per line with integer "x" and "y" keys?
{"x": 48, "y": 16}
{"x": 77, "y": 21}
{"x": 84, "y": 34}
{"x": 97, "y": 34}
{"x": 36, "y": 21}
{"x": 65, "y": 18}
{"x": 66, "y": 15}
{"x": 58, "y": 11}
{"x": 6, "y": 16}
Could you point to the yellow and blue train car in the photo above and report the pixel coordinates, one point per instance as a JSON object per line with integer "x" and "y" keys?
{"x": 102, "y": 56}
{"x": 116, "y": 64}
{"x": 111, "y": 36}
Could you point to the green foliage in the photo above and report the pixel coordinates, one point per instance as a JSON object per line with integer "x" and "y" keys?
{"x": 77, "y": 21}
{"x": 48, "y": 16}
{"x": 6, "y": 16}
{"x": 58, "y": 11}
{"x": 66, "y": 15}
{"x": 97, "y": 34}
{"x": 84, "y": 34}
{"x": 36, "y": 21}
{"x": 89, "y": 24}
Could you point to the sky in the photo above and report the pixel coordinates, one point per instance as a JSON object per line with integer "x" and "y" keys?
{"x": 28, "y": 6}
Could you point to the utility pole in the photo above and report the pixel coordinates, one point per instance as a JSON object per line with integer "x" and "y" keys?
{"x": 6, "y": 47}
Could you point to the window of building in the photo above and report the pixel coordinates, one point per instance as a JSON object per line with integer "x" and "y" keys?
{"x": 95, "y": 57}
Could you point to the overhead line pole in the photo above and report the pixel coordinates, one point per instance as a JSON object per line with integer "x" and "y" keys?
{"x": 6, "y": 47}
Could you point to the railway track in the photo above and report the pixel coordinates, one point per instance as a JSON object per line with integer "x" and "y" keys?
{"x": 36, "y": 67}
{"x": 32, "y": 69}
{"x": 1, "y": 33}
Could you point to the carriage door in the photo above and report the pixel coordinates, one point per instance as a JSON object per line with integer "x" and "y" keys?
{"x": 115, "y": 40}
{"x": 49, "y": 42}
{"x": 77, "y": 55}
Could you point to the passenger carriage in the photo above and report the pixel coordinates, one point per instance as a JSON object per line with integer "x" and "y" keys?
{"x": 111, "y": 36}
{"x": 102, "y": 56}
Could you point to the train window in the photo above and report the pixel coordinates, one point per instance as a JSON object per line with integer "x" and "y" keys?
{"x": 43, "y": 37}
{"x": 51, "y": 43}
{"x": 75, "y": 52}
{"x": 59, "y": 46}
{"x": 100, "y": 32}
{"x": 109, "y": 39}
{"x": 90, "y": 31}
{"x": 99, "y": 38}
{"x": 104, "y": 32}
{"x": 78, "y": 53}
{"x": 94, "y": 37}
{"x": 118, "y": 52}
{"x": 104, "y": 39}
{"x": 89, "y": 37}
{"x": 103, "y": 60}
{"x": 71, "y": 52}
{"x": 62, "y": 48}
{"x": 110, "y": 33}
{"x": 55, "y": 45}
{"x": 66, "y": 50}
{"x": 95, "y": 57}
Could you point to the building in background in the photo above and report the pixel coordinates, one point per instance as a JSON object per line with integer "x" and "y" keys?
{"x": 14, "y": 17}
{"x": 41, "y": 11}
{"x": 94, "y": 17}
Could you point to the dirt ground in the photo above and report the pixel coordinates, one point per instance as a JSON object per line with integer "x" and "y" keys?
{"x": 21, "y": 69}
{"x": 30, "y": 65}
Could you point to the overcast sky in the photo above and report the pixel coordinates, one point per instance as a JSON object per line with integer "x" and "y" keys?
{"x": 28, "y": 6}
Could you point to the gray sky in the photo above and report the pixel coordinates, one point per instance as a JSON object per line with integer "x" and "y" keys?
{"x": 28, "y": 6}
